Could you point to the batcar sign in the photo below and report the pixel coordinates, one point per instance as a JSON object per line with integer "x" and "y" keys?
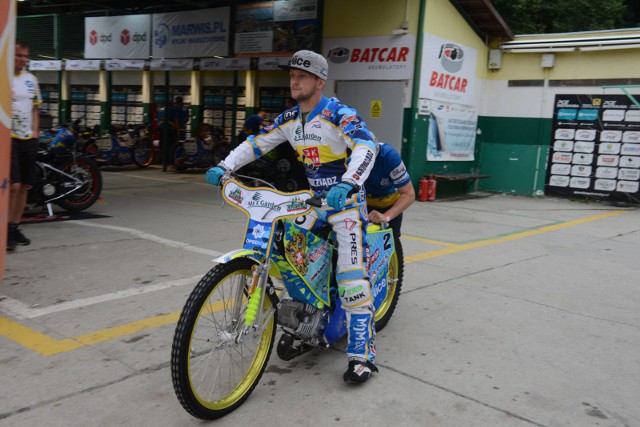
{"x": 371, "y": 58}
{"x": 448, "y": 71}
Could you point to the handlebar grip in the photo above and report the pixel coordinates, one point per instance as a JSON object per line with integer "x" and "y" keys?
{"x": 314, "y": 201}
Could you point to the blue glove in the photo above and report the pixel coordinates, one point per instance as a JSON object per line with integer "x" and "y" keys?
{"x": 337, "y": 196}
{"x": 214, "y": 174}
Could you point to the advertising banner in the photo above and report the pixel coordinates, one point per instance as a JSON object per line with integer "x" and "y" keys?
{"x": 7, "y": 56}
{"x": 371, "y": 58}
{"x": 275, "y": 28}
{"x": 192, "y": 34}
{"x": 126, "y": 36}
{"x": 452, "y": 132}
{"x": 448, "y": 71}
{"x": 595, "y": 148}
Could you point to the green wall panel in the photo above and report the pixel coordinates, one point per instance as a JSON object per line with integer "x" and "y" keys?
{"x": 512, "y": 130}
{"x": 514, "y": 168}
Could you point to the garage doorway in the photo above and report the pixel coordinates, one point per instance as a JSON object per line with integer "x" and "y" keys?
{"x": 384, "y": 116}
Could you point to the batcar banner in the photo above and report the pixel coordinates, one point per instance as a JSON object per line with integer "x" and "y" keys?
{"x": 371, "y": 58}
{"x": 193, "y": 34}
{"x": 126, "y": 36}
{"x": 595, "y": 148}
{"x": 452, "y": 132}
{"x": 448, "y": 71}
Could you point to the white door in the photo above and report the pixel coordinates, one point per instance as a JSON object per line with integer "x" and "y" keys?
{"x": 380, "y": 104}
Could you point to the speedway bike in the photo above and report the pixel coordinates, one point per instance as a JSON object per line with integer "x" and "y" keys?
{"x": 64, "y": 176}
{"x": 283, "y": 276}
{"x": 207, "y": 149}
{"x": 123, "y": 146}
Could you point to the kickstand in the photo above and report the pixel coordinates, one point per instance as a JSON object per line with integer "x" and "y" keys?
{"x": 50, "y": 209}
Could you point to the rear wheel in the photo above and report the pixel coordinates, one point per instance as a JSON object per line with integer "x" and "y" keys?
{"x": 394, "y": 284}
{"x": 178, "y": 157}
{"x": 143, "y": 153}
{"x": 86, "y": 170}
{"x": 214, "y": 366}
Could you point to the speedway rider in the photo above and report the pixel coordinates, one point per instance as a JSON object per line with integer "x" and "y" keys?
{"x": 337, "y": 151}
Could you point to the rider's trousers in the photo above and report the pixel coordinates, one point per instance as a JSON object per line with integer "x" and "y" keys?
{"x": 354, "y": 288}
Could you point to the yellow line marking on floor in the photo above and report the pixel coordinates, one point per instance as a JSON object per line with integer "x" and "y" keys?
{"x": 47, "y": 346}
{"x": 434, "y": 242}
{"x": 507, "y": 238}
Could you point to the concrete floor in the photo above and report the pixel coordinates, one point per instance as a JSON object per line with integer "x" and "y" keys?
{"x": 514, "y": 312}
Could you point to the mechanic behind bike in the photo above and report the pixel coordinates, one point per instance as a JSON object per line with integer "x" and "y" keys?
{"x": 337, "y": 151}
{"x": 389, "y": 189}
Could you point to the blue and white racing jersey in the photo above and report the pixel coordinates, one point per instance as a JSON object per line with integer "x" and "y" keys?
{"x": 333, "y": 144}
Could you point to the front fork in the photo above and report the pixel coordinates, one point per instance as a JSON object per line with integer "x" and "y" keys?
{"x": 255, "y": 317}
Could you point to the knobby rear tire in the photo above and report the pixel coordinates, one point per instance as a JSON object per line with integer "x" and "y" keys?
{"x": 394, "y": 285}
{"x": 212, "y": 373}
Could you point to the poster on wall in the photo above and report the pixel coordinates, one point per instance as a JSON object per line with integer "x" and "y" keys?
{"x": 595, "y": 148}
{"x": 124, "y": 36}
{"x": 276, "y": 28}
{"x": 192, "y": 34}
{"x": 452, "y": 132}
{"x": 371, "y": 58}
{"x": 448, "y": 71}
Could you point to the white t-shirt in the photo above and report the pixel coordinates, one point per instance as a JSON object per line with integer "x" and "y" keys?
{"x": 26, "y": 94}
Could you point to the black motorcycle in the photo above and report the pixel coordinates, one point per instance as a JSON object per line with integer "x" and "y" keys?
{"x": 64, "y": 177}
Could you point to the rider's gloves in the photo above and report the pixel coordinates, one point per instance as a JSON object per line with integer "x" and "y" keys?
{"x": 337, "y": 195}
{"x": 214, "y": 174}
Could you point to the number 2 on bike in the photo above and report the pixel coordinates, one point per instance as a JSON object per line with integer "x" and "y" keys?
{"x": 283, "y": 276}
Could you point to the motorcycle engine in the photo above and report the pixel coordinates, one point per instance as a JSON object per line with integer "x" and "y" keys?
{"x": 304, "y": 321}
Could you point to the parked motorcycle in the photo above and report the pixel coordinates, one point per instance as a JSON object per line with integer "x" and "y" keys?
{"x": 283, "y": 276}
{"x": 64, "y": 176}
{"x": 123, "y": 146}
{"x": 207, "y": 149}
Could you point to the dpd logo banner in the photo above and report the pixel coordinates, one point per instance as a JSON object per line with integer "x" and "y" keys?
{"x": 117, "y": 37}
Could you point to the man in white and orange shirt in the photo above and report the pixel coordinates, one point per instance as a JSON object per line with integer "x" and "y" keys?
{"x": 24, "y": 141}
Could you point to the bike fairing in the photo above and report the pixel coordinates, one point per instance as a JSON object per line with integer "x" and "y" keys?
{"x": 335, "y": 146}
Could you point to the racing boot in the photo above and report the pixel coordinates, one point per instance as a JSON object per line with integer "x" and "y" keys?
{"x": 359, "y": 371}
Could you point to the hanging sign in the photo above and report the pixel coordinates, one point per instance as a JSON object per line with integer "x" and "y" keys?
{"x": 225, "y": 64}
{"x": 595, "y": 148}
{"x": 371, "y": 58}
{"x": 192, "y": 34}
{"x": 171, "y": 64}
{"x": 82, "y": 64}
{"x": 448, "y": 71}
{"x": 124, "y": 64}
{"x": 51, "y": 65}
{"x": 125, "y": 36}
{"x": 273, "y": 63}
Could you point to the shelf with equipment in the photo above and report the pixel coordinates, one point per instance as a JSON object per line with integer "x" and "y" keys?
{"x": 219, "y": 111}
{"x": 50, "y": 106}
{"x": 273, "y": 100}
{"x": 85, "y": 102}
{"x": 126, "y": 104}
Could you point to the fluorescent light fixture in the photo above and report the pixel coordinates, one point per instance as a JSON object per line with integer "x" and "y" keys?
{"x": 609, "y": 47}
{"x": 548, "y": 49}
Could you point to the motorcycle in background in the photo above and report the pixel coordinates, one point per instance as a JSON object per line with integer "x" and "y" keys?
{"x": 123, "y": 146}
{"x": 64, "y": 176}
{"x": 207, "y": 149}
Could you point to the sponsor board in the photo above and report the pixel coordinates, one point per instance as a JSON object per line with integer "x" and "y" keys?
{"x": 594, "y": 147}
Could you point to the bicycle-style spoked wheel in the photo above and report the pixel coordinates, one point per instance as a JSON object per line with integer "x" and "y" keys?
{"x": 214, "y": 366}
{"x": 394, "y": 284}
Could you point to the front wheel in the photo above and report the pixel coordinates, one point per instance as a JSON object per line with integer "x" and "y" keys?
{"x": 215, "y": 363}
{"x": 143, "y": 153}
{"x": 86, "y": 170}
{"x": 394, "y": 284}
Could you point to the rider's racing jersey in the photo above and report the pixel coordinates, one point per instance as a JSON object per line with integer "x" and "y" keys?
{"x": 332, "y": 142}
